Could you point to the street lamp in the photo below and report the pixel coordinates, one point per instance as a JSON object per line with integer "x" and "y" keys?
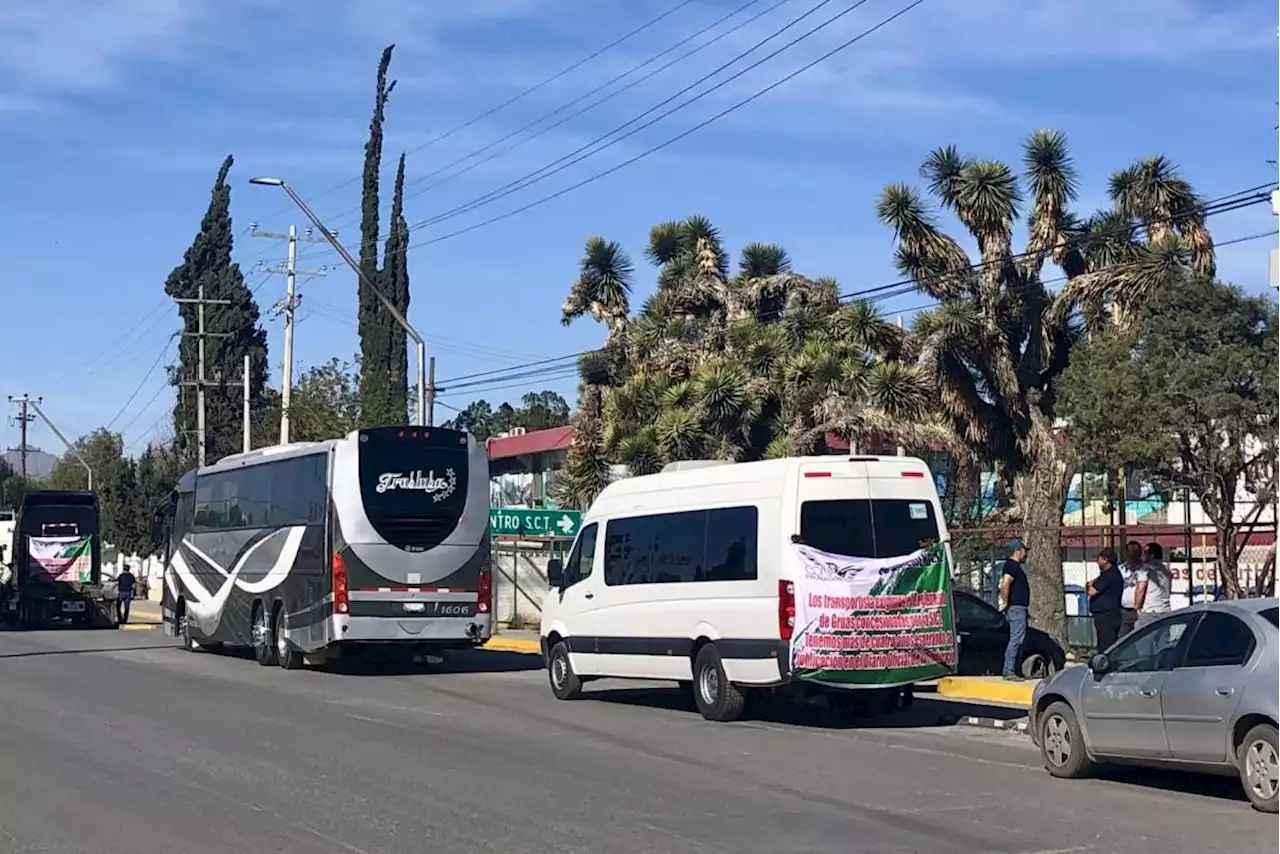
{"x": 420, "y": 344}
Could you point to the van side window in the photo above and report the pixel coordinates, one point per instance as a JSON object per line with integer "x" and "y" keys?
{"x": 863, "y": 528}
{"x": 674, "y": 548}
{"x": 583, "y": 556}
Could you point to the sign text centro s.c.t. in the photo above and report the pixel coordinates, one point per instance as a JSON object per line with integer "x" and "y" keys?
{"x": 516, "y": 521}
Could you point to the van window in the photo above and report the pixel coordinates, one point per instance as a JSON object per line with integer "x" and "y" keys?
{"x": 673, "y": 548}
{"x": 863, "y": 528}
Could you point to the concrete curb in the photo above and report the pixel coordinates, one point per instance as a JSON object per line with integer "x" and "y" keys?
{"x": 520, "y": 645}
{"x": 986, "y": 690}
{"x": 1017, "y": 725}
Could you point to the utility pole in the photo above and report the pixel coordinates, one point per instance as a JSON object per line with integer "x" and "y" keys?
{"x": 201, "y": 381}
{"x": 246, "y": 416}
{"x": 287, "y": 308}
{"x": 24, "y": 418}
{"x": 431, "y": 392}
{"x": 35, "y": 404}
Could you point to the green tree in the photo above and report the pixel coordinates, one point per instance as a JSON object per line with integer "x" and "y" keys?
{"x": 380, "y": 404}
{"x": 996, "y": 346}
{"x": 763, "y": 363}
{"x": 394, "y": 278}
{"x": 103, "y": 451}
{"x": 540, "y": 410}
{"x": 13, "y": 487}
{"x": 233, "y": 328}
{"x": 1189, "y": 394}
{"x": 326, "y": 402}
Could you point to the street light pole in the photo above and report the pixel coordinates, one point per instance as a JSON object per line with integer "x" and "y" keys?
{"x": 419, "y": 342}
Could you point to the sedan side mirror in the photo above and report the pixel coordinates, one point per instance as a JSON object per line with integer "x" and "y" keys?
{"x": 555, "y": 572}
{"x": 1099, "y": 664}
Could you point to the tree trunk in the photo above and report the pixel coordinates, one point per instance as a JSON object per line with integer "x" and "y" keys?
{"x": 1228, "y": 560}
{"x": 1041, "y": 492}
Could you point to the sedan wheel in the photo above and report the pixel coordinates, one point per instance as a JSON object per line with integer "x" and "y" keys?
{"x": 1062, "y": 743}
{"x": 1258, "y": 767}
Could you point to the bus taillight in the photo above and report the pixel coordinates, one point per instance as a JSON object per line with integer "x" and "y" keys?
{"x": 484, "y": 591}
{"x": 340, "y": 597}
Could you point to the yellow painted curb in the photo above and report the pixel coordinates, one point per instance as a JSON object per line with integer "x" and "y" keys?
{"x": 501, "y": 644}
{"x": 986, "y": 690}
{"x": 139, "y": 627}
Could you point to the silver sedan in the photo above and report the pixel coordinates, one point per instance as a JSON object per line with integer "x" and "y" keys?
{"x": 1195, "y": 690}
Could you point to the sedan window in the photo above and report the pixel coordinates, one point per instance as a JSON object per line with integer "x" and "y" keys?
{"x": 1151, "y": 649}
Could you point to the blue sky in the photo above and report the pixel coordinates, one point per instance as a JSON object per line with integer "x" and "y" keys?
{"x": 114, "y": 117}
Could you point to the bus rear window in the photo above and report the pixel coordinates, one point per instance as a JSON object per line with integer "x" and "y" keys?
{"x": 1269, "y": 614}
{"x": 863, "y": 528}
{"x": 413, "y": 483}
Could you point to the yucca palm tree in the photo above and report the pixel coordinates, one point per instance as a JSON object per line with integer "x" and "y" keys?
{"x": 761, "y": 363}
{"x": 999, "y": 338}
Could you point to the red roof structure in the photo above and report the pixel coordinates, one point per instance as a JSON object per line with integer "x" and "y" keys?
{"x": 560, "y": 438}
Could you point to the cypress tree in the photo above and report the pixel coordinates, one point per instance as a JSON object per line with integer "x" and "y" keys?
{"x": 395, "y": 284}
{"x": 234, "y": 332}
{"x": 375, "y": 344}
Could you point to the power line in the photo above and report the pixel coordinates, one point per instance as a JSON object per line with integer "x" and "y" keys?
{"x": 521, "y": 95}
{"x": 143, "y": 381}
{"x": 552, "y": 168}
{"x": 1225, "y": 204}
{"x": 600, "y": 88}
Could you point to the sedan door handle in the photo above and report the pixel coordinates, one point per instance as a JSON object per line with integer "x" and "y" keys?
{"x": 1148, "y": 692}
{"x": 589, "y": 596}
{"x": 1225, "y": 692}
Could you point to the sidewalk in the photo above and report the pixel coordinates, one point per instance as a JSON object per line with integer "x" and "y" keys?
{"x": 146, "y": 615}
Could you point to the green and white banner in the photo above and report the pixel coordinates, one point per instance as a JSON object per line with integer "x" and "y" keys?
{"x": 60, "y": 559}
{"x": 874, "y": 622}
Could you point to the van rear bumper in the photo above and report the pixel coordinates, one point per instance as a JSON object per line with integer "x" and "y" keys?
{"x": 445, "y": 631}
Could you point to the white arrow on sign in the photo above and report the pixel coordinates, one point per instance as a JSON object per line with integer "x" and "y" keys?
{"x": 565, "y": 525}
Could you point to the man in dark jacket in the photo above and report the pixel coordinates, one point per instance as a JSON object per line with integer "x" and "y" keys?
{"x": 1104, "y": 599}
{"x": 124, "y": 594}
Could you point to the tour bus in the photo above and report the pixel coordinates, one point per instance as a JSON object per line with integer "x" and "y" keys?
{"x": 704, "y": 573}
{"x": 377, "y": 542}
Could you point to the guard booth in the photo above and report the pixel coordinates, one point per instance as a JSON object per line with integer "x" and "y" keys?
{"x": 527, "y": 530}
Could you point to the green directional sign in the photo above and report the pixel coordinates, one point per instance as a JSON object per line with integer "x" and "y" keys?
{"x": 519, "y": 522}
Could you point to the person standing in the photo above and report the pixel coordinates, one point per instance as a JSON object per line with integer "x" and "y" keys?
{"x": 1015, "y": 601}
{"x": 124, "y": 594}
{"x": 1104, "y": 599}
{"x": 1133, "y": 570}
{"x": 1154, "y": 600}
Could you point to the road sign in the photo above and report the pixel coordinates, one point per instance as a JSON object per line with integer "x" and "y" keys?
{"x": 514, "y": 521}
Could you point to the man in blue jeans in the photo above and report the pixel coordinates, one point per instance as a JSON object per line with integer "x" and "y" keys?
{"x": 1015, "y": 599}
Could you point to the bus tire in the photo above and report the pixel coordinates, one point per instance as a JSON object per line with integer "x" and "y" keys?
{"x": 718, "y": 699}
{"x": 289, "y": 656}
{"x": 264, "y": 644}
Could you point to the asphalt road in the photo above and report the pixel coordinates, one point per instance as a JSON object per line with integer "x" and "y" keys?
{"x": 121, "y": 742}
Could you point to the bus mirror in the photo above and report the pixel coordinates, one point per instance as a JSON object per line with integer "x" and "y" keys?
{"x": 555, "y": 572}
{"x": 157, "y": 529}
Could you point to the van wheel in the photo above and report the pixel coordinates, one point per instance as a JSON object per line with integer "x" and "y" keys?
{"x": 718, "y": 699}
{"x": 264, "y": 645}
{"x": 1257, "y": 761}
{"x": 565, "y": 684}
{"x": 286, "y": 653}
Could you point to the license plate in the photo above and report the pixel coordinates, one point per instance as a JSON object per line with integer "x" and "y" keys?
{"x": 439, "y": 609}
{"x": 72, "y": 606}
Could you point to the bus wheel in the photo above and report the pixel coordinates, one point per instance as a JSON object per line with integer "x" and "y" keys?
{"x": 286, "y": 653}
{"x": 264, "y": 645}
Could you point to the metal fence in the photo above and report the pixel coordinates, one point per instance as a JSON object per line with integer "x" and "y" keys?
{"x": 1190, "y": 551}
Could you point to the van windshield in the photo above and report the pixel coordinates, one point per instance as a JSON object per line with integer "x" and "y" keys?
{"x": 864, "y": 528}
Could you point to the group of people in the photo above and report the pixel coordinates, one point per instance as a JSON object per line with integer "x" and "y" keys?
{"x": 1122, "y": 597}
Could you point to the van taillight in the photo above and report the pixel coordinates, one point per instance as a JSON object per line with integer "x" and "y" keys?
{"x": 786, "y": 609}
{"x": 484, "y": 591}
{"x": 341, "y": 600}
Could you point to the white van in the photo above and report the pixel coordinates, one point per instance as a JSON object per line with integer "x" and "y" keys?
{"x": 688, "y": 575}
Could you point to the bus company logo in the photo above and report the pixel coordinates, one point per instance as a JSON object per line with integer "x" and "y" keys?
{"x": 439, "y": 488}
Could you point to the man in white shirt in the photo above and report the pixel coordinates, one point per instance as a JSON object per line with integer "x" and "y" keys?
{"x": 1157, "y": 589}
{"x": 1135, "y": 586}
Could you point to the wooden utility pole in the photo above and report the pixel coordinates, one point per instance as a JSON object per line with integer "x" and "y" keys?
{"x": 24, "y": 418}
{"x": 201, "y": 381}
